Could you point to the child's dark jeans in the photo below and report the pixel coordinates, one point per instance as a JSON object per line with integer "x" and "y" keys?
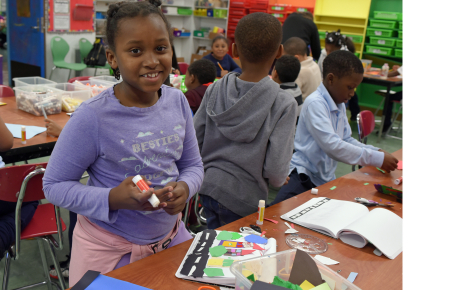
{"x": 297, "y": 184}
{"x": 216, "y": 214}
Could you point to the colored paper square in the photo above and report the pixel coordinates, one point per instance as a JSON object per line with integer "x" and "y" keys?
{"x": 233, "y": 250}
{"x": 215, "y": 262}
{"x": 227, "y": 262}
{"x": 229, "y": 244}
{"x": 306, "y": 285}
{"x": 213, "y": 272}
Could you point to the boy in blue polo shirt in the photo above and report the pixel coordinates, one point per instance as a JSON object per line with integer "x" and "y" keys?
{"x": 323, "y": 135}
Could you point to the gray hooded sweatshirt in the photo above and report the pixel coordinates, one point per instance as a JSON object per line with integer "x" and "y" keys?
{"x": 245, "y": 132}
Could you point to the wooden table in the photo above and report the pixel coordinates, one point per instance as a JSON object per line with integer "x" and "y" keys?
{"x": 158, "y": 271}
{"x": 38, "y": 146}
{"x": 388, "y": 83}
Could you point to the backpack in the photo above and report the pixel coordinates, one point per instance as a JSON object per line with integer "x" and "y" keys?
{"x": 97, "y": 56}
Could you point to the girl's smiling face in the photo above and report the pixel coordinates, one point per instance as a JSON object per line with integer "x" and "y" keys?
{"x": 143, "y": 53}
{"x": 220, "y": 49}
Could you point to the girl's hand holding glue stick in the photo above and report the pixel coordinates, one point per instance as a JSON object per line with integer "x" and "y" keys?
{"x": 128, "y": 196}
{"x": 180, "y": 194}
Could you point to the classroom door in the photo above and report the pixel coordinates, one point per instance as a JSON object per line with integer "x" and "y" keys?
{"x": 26, "y": 46}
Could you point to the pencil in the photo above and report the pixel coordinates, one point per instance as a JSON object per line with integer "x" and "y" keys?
{"x": 220, "y": 65}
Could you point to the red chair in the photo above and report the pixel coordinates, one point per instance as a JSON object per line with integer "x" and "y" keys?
{"x": 366, "y": 124}
{"x": 183, "y": 67}
{"x": 23, "y": 183}
{"x": 6, "y": 91}
{"x": 80, "y": 79}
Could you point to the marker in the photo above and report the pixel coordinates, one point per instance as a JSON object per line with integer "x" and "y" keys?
{"x": 220, "y": 66}
{"x": 24, "y": 135}
{"x": 261, "y": 208}
{"x": 143, "y": 187}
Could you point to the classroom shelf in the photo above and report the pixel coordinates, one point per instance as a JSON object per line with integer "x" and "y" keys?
{"x": 177, "y": 15}
{"x": 340, "y": 24}
{"x": 205, "y": 7}
{"x": 225, "y": 18}
{"x": 201, "y": 38}
{"x": 174, "y": 5}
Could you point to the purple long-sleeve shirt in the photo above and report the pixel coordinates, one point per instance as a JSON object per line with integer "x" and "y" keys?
{"x": 113, "y": 142}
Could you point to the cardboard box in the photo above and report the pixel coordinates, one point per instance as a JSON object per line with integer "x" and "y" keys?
{"x": 195, "y": 57}
{"x": 180, "y": 59}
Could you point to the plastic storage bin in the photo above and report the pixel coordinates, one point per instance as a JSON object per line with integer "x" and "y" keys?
{"x": 388, "y": 15}
{"x": 95, "y": 86}
{"x": 184, "y": 11}
{"x": 198, "y": 33}
{"x": 177, "y": 33}
{"x": 72, "y": 95}
{"x": 355, "y": 38}
{"x": 238, "y": 11}
{"x": 400, "y": 34}
{"x": 26, "y": 81}
{"x": 279, "y": 262}
{"x": 382, "y": 23}
{"x": 382, "y": 41}
{"x": 200, "y": 12}
{"x": 256, "y": 4}
{"x": 170, "y": 10}
{"x": 400, "y": 25}
{"x": 109, "y": 79}
{"x": 250, "y": 11}
{"x": 210, "y": 13}
{"x": 232, "y": 25}
{"x": 277, "y": 8}
{"x": 185, "y": 34}
{"x": 398, "y": 52}
{"x": 379, "y": 50}
{"x": 279, "y": 16}
{"x": 32, "y": 99}
{"x": 322, "y": 34}
{"x": 379, "y": 32}
{"x": 237, "y": 4}
{"x": 399, "y": 43}
{"x": 220, "y": 13}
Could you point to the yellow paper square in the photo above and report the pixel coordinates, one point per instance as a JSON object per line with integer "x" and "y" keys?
{"x": 306, "y": 285}
{"x": 229, "y": 244}
{"x": 215, "y": 262}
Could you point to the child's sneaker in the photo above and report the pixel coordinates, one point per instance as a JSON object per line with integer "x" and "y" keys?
{"x": 64, "y": 271}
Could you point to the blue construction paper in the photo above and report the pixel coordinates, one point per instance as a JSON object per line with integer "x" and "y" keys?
{"x": 352, "y": 276}
{"x": 256, "y": 239}
{"x": 105, "y": 282}
{"x": 31, "y": 131}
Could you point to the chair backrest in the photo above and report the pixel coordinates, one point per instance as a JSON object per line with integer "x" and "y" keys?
{"x": 80, "y": 79}
{"x": 12, "y": 177}
{"x": 6, "y": 91}
{"x": 59, "y": 48}
{"x": 85, "y": 47}
{"x": 366, "y": 124}
{"x": 183, "y": 67}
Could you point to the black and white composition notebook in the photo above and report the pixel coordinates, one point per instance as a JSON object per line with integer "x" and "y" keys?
{"x": 352, "y": 223}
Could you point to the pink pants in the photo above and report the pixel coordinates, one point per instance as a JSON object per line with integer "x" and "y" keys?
{"x": 94, "y": 248}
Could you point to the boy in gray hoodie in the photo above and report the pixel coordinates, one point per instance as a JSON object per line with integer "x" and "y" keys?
{"x": 245, "y": 127}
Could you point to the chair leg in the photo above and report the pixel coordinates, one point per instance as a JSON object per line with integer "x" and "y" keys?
{"x": 95, "y": 72}
{"x": 200, "y": 219}
{"x": 395, "y": 119}
{"x": 70, "y": 72}
{"x": 353, "y": 167}
{"x": 56, "y": 263}
{"x": 378, "y": 108}
{"x": 44, "y": 264}
{"x": 51, "y": 73}
{"x": 6, "y": 270}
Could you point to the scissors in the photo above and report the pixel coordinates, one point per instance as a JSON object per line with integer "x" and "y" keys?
{"x": 206, "y": 288}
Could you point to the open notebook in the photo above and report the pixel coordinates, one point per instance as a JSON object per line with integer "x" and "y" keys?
{"x": 199, "y": 257}
{"x": 352, "y": 223}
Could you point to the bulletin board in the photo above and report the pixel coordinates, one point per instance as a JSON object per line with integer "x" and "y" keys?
{"x": 70, "y": 16}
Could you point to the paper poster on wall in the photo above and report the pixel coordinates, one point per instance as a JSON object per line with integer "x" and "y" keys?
{"x": 61, "y": 22}
{"x": 62, "y": 7}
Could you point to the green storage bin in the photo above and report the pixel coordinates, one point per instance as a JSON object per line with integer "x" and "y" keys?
{"x": 220, "y": 13}
{"x": 399, "y": 43}
{"x": 382, "y": 24}
{"x": 400, "y": 34}
{"x": 399, "y": 52}
{"x": 198, "y": 33}
{"x": 386, "y": 15}
{"x": 400, "y": 25}
{"x": 184, "y": 11}
{"x": 357, "y": 54}
{"x": 377, "y": 32}
{"x": 382, "y": 41}
{"x": 322, "y": 34}
{"x": 379, "y": 50}
{"x": 355, "y": 38}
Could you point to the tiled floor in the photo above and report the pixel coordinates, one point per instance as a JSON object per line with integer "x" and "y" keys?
{"x": 28, "y": 268}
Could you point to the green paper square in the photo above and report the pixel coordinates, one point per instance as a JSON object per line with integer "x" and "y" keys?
{"x": 286, "y": 284}
{"x": 235, "y": 236}
{"x": 227, "y": 262}
{"x": 251, "y": 278}
{"x": 224, "y": 235}
{"x": 217, "y": 251}
{"x": 333, "y": 188}
{"x": 213, "y": 272}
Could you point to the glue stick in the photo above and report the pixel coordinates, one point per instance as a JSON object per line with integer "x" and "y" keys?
{"x": 143, "y": 187}
{"x": 398, "y": 180}
{"x": 261, "y": 208}
{"x": 24, "y": 135}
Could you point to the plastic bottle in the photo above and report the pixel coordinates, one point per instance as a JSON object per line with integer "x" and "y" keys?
{"x": 385, "y": 71}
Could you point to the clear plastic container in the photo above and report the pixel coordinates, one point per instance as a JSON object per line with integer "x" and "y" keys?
{"x": 96, "y": 86}
{"x": 27, "y": 81}
{"x": 367, "y": 64}
{"x": 72, "y": 96}
{"x": 264, "y": 268}
{"x": 110, "y": 79}
{"x": 34, "y": 98}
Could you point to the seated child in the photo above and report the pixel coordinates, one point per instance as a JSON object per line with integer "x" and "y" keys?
{"x": 245, "y": 127}
{"x": 52, "y": 128}
{"x": 219, "y": 56}
{"x": 396, "y": 70}
{"x": 138, "y": 127}
{"x": 200, "y": 74}
{"x": 323, "y": 135}
{"x": 285, "y": 73}
{"x": 310, "y": 76}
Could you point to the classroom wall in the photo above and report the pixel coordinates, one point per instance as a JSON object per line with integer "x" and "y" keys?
{"x": 61, "y": 75}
